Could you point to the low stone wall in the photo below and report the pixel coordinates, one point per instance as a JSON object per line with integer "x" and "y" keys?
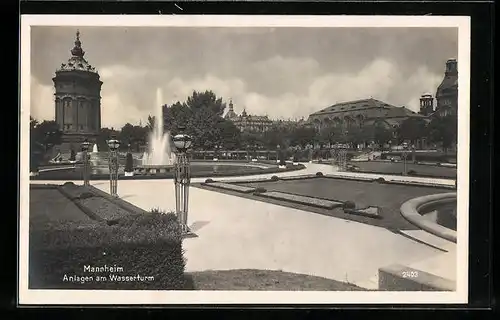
{"x": 411, "y": 209}
{"x": 400, "y": 278}
{"x": 152, "y": 170}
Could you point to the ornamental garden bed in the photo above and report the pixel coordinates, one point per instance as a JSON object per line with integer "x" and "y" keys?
{"x": 416, "y": 170}
{"x": 229, "y": 186}
{"x": 310, "y": 201}
{"x": 68, "y": 249}
{"x": 374, "y": 203}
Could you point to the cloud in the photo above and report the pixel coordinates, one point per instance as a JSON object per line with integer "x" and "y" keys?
{"x": 283, "y": 73}
{"x": 41, "y": 100}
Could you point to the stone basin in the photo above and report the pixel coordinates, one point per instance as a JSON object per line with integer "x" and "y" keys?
{"x": 153, "y": 168}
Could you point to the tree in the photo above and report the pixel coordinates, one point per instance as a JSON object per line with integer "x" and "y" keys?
{"x": 201, "y": 115}
{"x": 45, "y": 133}
{"x": 230, "y": 135}
{"x": 359, "y": 135}
{"x": 412, "y": 129}
{"x": 104, "y": 135}
{"x": 129, "y": 163}
{"x": 443, "y": 130}
{"x": 273, "y": 137}
{"x": 43, "y": 136}
{"x": 302, "y": 136}
{"x": 381, "y": 135}
{"x": 133, "y": 135}
{"x": 207, "y": 101}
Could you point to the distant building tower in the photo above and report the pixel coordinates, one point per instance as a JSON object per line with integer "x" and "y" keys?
{"x": 230, "y": 114}
{"x": 426, "y": 104}
{"x": 447, "y": 92}
{"x": 77, "y": 99}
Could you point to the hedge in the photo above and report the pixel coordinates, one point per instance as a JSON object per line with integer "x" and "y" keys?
{"x": 146, "y": 245}
{"x": 421, "y": 156}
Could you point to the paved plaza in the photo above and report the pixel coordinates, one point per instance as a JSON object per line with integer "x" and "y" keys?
{"x": 238, "y": 233}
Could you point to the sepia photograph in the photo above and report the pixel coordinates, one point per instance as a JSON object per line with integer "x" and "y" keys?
{"x": 244, "y": 159}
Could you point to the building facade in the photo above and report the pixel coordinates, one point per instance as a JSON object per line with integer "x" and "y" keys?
{"x": 248, "y": 123}
{"x": 359, "y": 113}
{"x": 447, "y": 92}
{"x": 77, "y": 99}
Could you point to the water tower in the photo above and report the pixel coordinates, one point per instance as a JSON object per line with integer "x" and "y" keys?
{"x": 77, "y": 100}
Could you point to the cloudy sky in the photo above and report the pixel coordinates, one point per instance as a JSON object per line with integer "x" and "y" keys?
{"x": 279, "y": 72}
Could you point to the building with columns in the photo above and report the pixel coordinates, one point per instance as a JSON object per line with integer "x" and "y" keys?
{"x": 359, "y": 113}
{"x": 77, "y": 100}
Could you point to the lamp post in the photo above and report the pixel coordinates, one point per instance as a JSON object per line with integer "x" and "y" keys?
{"x": 182, "y": 179}
{"x": 113, "y": 145}
{"x": 405, "y": 155}
{"x": 342, "y": 154}
{"x": 278, "y": 154}
{"x": 86, "y": 164}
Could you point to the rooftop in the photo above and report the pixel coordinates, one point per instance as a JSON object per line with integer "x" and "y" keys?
{"x": 77, "y": 60}
{"x": 368, "y": 106}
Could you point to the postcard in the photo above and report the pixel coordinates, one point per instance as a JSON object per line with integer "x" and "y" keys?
{"x": 244, "y": 159}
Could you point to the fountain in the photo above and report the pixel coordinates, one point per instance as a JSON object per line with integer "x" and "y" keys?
{"x": 159, "y": 158}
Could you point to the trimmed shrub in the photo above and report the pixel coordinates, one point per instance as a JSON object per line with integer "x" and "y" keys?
{"x": 146, "y": 248}
{"x": 412, "y": 172}
{"x": 209, "y": 180}
{"x": 69, "y": 183}
{"x": 274, "y": 178}
{"x": 129, "y": 163}
{"x": 319, "y": 174}
{"x": 380, "y": 180}
{"x": 260, "y": 190}
{"x": 157, "y": 211}
{"x": 349, "y": 205}
{"x": 72, "y": 156}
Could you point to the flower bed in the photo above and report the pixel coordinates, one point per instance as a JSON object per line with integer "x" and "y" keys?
{"x": 96, "y": 206}
{"x": 335, "y": 176}
{"x": 421, "y": 184}
{"x": 310, "y": 201}
{"x": 231, "y": 187}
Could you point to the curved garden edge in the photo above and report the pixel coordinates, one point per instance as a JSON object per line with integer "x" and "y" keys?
{"x": 236, "y": 173}
{"x": 410, "y": 211}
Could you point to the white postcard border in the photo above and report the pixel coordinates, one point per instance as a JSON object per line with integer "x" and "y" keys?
{"x": 84, "y": 297}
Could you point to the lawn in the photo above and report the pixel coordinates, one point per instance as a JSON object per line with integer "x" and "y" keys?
{"x": 398, "y": 167}
{"x": 250, "y": 279}
{"x": 49, "y": 207}
{"x": 388, "y": 197}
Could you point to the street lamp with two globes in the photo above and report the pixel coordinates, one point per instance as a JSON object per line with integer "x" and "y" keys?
{"x": 182, "y": 179}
